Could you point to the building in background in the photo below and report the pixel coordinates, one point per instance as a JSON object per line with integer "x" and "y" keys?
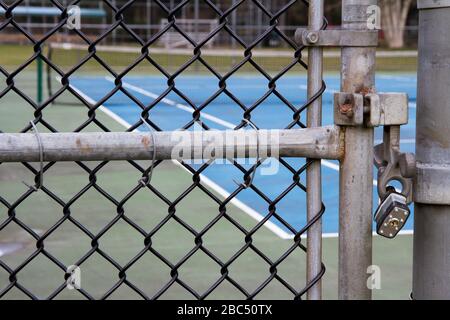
{"x": 198, "y": 18}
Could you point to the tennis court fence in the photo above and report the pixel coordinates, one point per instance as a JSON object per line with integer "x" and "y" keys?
{"x": 92, "y": 145}
{"x": 133, "y": 145}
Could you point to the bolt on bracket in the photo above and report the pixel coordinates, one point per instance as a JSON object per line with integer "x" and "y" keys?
{"x": 348, "y": 109}
{"x": 370, "y": 110}
{"x": 337, "y": 38}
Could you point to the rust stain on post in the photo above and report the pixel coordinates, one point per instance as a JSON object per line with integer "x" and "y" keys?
{"x": 84, "y": 148}
{"x": 346, "y": 108}
{"x": 145, "y": 141}
{"x": 366, "y": 90}
{"x": 341, "y": 143}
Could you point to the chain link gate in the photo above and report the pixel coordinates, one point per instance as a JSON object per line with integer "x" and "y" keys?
{"x": 298, "y": 138}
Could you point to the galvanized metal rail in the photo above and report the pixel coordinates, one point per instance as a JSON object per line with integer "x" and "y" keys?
{"x": 316, "y": 143}
{"x": 313, "y": 173}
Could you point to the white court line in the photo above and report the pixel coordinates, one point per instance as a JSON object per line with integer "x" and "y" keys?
{"x": 398, "y": 78}
{"x": 239, "y": 204}
{"x": 336, "y": 234}
{"x": 173, "y": 103}
{"x": 403, "y": 141}
{"x": 328, "y": 91}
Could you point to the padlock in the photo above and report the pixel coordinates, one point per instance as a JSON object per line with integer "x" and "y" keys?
{"x": 392, "y": 213}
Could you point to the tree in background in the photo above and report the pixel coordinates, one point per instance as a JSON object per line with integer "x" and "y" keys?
{"x": 394, "y": 14}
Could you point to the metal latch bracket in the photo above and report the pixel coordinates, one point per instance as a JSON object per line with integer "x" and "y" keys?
{"x": 389, "y": 110}
{"x": 337, "y": 38}
{"x": 370, "y": 110}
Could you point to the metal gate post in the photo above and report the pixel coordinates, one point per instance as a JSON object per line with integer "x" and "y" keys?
{"x": 313, "y": 173}
{"x": 356, "y": 169}
{"x": 431, "y": 265}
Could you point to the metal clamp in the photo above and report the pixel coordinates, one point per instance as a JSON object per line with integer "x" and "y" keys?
{"x": 371, "y": 110}
{"x": 337, "y": 38}
{"x": 381, "y": 109}
{"x": 392, "y": 164}
{"x": 348, "y": 109}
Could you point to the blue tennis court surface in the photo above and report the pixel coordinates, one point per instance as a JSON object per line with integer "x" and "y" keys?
{"x": 174, "y": 111}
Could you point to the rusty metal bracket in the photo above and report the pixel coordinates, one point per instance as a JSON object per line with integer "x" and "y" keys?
{"x": 337, "y": 38}
{"x": 389, "y": 110}
{"x": 370, "y": 110}
{"x": 348, "y": 109}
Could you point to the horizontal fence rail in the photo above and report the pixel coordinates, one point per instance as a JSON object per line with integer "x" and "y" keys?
{"x": 318, "y": 143}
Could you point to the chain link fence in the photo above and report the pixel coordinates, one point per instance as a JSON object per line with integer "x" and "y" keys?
{"x": 20, "y": 209}
{"x": 146, "y": 17}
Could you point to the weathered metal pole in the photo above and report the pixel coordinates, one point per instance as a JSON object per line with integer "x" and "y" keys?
{"x": 356, "y": 169}
{"x": 313, "y": 173}
{"x": 431, "y": 266}
{"x": 316, "y": 143}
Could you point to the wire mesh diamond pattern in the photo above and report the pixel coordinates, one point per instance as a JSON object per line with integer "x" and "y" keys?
{"x": 37, "y": 115}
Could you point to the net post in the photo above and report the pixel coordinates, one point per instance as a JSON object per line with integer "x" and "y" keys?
{"x": 431, "y": 247}
{"x": 356, "y": 169}
{"x": 313, "y": 172}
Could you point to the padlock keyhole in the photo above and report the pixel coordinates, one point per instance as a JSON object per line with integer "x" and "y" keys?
{"x": 394, "y": 222}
